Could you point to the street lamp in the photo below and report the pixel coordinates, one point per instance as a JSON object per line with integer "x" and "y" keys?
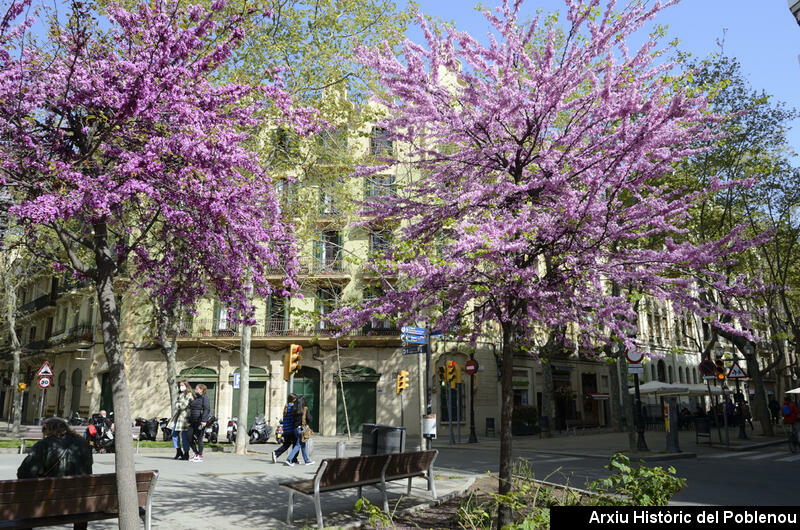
{"x": 641, "y": 444}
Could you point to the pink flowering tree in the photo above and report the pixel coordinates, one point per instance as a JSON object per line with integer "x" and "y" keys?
{"x": 540, "y": 161}
{"x": 116, "y": 145}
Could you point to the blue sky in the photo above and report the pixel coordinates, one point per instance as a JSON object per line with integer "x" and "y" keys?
{"x": 763, "y": 35}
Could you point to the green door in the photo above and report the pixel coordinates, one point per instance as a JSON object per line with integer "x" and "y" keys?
{"x": 361, "y": 399}
{"x": 256, "y": 402}
{"x": 306, "y": 384}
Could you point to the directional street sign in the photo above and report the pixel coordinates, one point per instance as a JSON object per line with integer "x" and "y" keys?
{"x": 44, "y": 382}
{"x": 412, "y": 349}
{"x": 45, "y": 370}
{"x": 415, "y": 339}
{"x": 413, "y": 330}
{"x": 635, "y": 368}
{"x": 736, "y": 372}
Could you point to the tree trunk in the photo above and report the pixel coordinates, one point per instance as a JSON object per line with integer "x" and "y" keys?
{"x": 169, "y": 349}
{"x": 506, "y": 409}
{"x": 124, "y": 458}
{"x": 547, "y": 398}
{"x": 11, "y": 320}
{"x": 244, "y": 384}
{"x": 614, "y": 396}
{"x": 760, "y": 410}
{"x": 627, "y": 400}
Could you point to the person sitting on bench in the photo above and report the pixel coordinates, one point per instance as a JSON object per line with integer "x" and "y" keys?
{"x": 59, "y": 454}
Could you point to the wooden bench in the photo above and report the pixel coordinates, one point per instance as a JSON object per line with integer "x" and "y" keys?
{"x": 34, "y": 432}
{"x": 336, "y": 474}
{"x": 32, "y": 502}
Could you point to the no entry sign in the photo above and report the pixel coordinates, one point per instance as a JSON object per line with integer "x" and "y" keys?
{"x": 471, "y": 367}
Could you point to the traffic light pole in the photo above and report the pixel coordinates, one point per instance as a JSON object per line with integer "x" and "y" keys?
{"x": 449, "y": 402}
{"x": 428, "y": 407}
{"x": 402, "y": 412}
{"x": 637, "y": 416}
{"x": 291, "y": 382}
{"x": 473, "y": 438}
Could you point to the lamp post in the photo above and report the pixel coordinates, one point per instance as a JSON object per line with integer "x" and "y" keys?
{"x": 740, "y": 399}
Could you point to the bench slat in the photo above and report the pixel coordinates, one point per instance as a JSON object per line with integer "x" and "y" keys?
{"x": 57, "y": 520}
{"x": 409, "y": 464}
{"x": 357, "y": 469}
{"x": 58, "y": 507}
{"x": 71, "y": 482}
{"x": 27, "y": 493}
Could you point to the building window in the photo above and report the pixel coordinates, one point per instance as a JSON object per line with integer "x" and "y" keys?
{"x": 380, "y": 144}
{"x": 332, "y": 143}
{"x": 277, "y": 314}
{"x": 285, "y": 144}
{"x": 380, "y": 241}
{"x": 327, "y": 252}
{"x": 375, "y": 326}
{"x": 327, "y": 303}
{"x": 379, "y": 185}
{"x": 223, "y": 323}
{"x": 327, "y": 204}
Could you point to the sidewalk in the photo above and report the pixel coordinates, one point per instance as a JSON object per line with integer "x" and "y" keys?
{"x": 230, "y": 491}
{"x": 603, "y": 444}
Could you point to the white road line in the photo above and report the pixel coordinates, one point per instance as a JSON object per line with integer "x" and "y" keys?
{"x": 554, "y": 460}
{"x": 789, "y": 458}
{"x": 765, "y": 455}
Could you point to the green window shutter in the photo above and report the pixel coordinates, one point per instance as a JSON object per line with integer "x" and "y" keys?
{"x": 216, "y": 316}
{"x": 318, "y": 249}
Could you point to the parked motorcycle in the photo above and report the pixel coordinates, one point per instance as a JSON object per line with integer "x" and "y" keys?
{"x": 75, "y": 419}
{"x": 99, "y": 434}
{"x": 212, "y": 430}
{"x": 233, "y": 426}
{"x": 166, "y": 430}
{"x": 149, "y": 428}
{"x": 260, "y": 431}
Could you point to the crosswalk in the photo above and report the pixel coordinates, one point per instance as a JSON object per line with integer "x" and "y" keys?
{"x": 770, "y": 455}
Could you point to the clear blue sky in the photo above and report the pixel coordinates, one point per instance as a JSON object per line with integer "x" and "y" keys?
{"x": 763, "y": 35}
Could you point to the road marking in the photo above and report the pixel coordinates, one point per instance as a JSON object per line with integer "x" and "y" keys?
{"x": 724, "y": 455}
{"x": 563, "y": 459}
{"x": 765, "y": 455}
{"x": 789, "y": 458}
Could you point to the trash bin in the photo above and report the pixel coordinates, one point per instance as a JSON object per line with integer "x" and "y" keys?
{"x": 369, "y": 439}
{"x": 382, "y": 439}
{"x": 390, "y": 440}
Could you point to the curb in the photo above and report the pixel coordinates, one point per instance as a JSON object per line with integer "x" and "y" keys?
{"x": 749, "y": 447}
{"x": 647, "y": 457}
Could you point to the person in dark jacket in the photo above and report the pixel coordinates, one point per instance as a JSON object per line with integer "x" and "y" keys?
{"x": 59, "y": 454}
{"x": 199, "y": 415}
{"x": 287, "y": 423}
{"x": 302, "y": 417}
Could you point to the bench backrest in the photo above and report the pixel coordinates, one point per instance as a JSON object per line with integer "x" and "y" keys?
{"x": 404, "y": 464}
{"x": 353, "y": 470}
{"x": 31, "y": 432}
{"x": 43, "y": 497}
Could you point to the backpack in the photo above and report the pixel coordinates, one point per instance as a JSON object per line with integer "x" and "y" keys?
{"x": 786, "y": 410}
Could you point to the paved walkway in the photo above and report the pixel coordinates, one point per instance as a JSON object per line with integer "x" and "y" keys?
{"x": 230, "y": 491}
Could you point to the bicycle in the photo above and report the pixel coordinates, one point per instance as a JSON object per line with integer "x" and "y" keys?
{"x": 794, "y": 443}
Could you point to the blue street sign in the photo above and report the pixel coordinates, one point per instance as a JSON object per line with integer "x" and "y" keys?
{"x": 414, "y": 349}
{"x": 414, "y": 339}
{"x": 237, "y": 377}
{"x": 436, "y": 333}
{"x": 412, "y": 330}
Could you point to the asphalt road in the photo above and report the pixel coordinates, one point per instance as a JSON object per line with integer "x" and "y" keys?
{"x": 767, "y": 476}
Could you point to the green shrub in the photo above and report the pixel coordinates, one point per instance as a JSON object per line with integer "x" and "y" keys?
{"x": 636, "y": 486}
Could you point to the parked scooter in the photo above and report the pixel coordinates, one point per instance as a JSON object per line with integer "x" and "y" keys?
{"x": 212, "y": 430}
{"x": 99, "y": 434}
{"x": 279, "y": 431}
{"x": 149, "y": 428}
{"x": 233, "y": 426}
{"x": 166, "y": 430}
{"x": 260, "y": 431}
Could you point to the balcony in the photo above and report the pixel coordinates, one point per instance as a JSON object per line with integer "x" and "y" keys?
{"x": 276, "y": 328}
{"x": 37, "y": 304}
{"x": 80, "y": 333}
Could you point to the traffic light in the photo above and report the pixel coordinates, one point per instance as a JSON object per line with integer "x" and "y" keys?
{"x": 402, "y": 381}
{"x": 21, "y": 387}
{"x": 291, "y": 361}
{"x": 720, "y": 369}
{"x": 442, "y": 375}
{"x": 459, "y": 374}
{"x": 451, "y": 373}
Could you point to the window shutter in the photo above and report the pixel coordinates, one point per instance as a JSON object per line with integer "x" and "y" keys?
{"x": 216, "y": 316}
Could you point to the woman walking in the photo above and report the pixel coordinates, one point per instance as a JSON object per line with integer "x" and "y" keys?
{"x": 199, "y": 414}
{"x": 180, "y": 422}
{"x": 301, "y": 420}
{"x": 287, "y": 423}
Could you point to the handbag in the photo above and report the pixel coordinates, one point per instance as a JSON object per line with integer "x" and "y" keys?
{"x": 307, "y": 432}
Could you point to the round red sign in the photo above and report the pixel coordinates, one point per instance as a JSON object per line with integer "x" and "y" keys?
{"x": 471, "y": 367}
{"x": 44, "y": 382}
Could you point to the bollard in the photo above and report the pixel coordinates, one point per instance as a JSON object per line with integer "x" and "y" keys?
{"x": 339, "y": 449}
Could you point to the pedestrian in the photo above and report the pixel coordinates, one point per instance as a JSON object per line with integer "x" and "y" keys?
{"x": 747, "y": 416}
{"x": 301, "y": 420}
{"x": 180, "y": 422}
{"x": 59, "y": 453}
{"x": 287, "y": 424}
{"x": 774, "y": 409}
{"x": 199, "y": 415}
